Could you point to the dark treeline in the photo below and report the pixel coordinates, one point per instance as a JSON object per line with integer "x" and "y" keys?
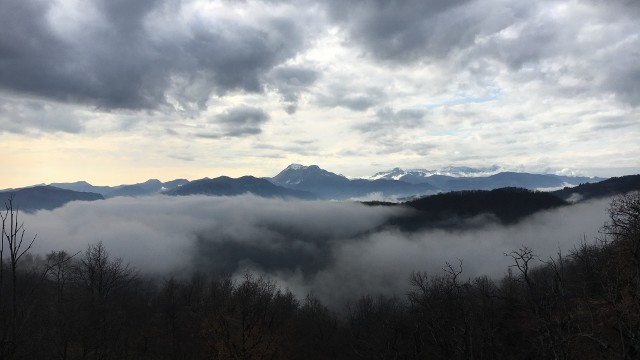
{"x": 448, "y": 210}
{"x": 580, "y": 305}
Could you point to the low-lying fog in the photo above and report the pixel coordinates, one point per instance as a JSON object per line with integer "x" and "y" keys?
{"x": 337, "y": 250}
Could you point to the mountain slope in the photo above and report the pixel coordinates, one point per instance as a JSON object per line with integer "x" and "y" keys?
{"x": 226, "y": 186}
{"x": 45, "y": 197}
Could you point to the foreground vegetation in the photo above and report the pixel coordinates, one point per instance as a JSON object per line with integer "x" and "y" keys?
{"x": 581, "y": 305}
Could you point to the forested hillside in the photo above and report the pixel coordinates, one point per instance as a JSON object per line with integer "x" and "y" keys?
{"x": 580, "y": 305}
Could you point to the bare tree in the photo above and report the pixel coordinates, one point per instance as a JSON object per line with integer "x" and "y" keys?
{"x": 522, "y": 261}
{"x": 624, "y": 227}
{"x": 622, "y": 283}
{"x": 13, "y": 232}
{"x": 101, "y": 280}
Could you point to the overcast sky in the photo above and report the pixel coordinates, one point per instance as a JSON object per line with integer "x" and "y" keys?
{"x": 119, "y": 91}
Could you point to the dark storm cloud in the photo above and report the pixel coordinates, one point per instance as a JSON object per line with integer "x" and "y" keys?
{"x": 241, "y": 121}
{"x": 137, "y": 55}
{"x": 337, "y": 250}
{"x": 407, "y": 31}
{"x": 291, "y": 81}
{"x": 594, "y": 41}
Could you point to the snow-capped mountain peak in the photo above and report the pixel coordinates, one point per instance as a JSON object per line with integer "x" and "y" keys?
{"x": 395, "y": 173}
{"x": 296, "y": 167}
{"x": 453, "y": 171}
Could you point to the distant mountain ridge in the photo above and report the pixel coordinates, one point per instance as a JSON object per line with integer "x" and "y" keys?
{"x": 312, "y": 182}
{"x": 452, "y": 171}
{"x": 226, "y": 186}
{"x": 466, "y": 178}
{"x": 400, "y": 183}
{"x": 44, "y": 197}
{"x": 328, "y": 185}
{"x": 149, "y": 187}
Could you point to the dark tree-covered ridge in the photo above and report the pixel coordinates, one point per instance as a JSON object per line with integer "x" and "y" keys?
{"x": 610, "y": 187}
{"x": 448, "y": 210}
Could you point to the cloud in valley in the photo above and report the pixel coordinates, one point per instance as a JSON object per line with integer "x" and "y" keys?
{"x": 335, "y": 250}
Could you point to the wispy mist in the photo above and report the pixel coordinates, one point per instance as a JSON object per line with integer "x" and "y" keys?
{"x": 335, "y": 250}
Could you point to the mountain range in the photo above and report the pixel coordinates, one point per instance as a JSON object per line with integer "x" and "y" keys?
{"x": 465, "y": 178}
{"x": 226, "y": 186}
{"x": 149, "y": 187}
{"x": 44, "y": 197}
{"x": 312, "y": 182}
{"x": 328, "y": 185}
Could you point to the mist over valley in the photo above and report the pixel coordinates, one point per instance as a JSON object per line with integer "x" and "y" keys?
{"x": 335, "y": 250}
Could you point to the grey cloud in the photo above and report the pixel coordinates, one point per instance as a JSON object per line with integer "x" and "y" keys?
{"x": 407, "y": 31}
{"x": 291, "y": 81}
{"x": 339, "y": 95}
{"x": 241, "y": 121}
{"x": 122, "y": 61}
{"x": 616, "y": 8}
{"x": 593, "y": 41}
{"x": 298, "y": 147}
{"x": 337, "y": 250}
{"x": 388, "y": 119}
{"x": 615, "y": 123}
{"x": 34, "y": 116}
{"x": 545, "y": 48}
{"x": 623, "y": 74}
{"x": 183, "y": 157}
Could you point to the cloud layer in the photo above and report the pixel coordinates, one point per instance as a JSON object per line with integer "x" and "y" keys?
{"x": 335, "y": 250}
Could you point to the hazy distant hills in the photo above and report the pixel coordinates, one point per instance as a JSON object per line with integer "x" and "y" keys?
{"x": 226, "y": 186}
{"x": 45, "y": 197}
{"x": 148, "y": 187}
{"x": 328, "y": 185}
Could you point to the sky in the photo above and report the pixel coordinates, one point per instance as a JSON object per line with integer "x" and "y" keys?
{"x": 117, "y": 91}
